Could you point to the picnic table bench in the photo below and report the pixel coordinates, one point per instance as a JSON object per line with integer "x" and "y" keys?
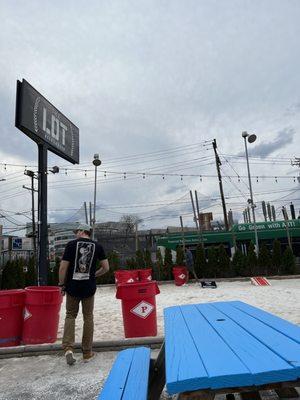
{"x": 211, "y": 348}
{"x": 128, "y": 378}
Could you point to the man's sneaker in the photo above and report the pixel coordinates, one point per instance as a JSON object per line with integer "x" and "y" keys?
{"x": 70, "y": 357}
{"x": 87, "y": 356}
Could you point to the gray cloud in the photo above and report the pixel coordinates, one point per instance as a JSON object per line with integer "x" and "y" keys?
{"x": 283, "y": 138}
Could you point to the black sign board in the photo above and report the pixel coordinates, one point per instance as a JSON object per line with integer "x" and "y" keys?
{"x": 45, "y": 124}
{"x": 209, "y": 284}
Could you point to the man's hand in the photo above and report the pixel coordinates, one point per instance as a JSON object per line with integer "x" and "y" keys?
{"x": 62, "y": 289}
{"x": 104, "y": 267}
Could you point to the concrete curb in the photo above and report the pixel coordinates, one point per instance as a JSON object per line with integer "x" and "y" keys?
{"x": 55, "y": 348}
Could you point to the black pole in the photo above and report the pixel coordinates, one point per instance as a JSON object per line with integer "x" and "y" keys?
{"x": 43, "y": 224}
{"x": 194, "y": 211}
{"x": 218, "y": 163}
{"x": 33, "y": 222}
{"x": 86, "y": 214}
{"x": 199, "y": 222}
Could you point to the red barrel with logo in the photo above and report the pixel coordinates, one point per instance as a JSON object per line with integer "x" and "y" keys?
{"x": 145, "y": 275}
{"x": 139, "y": 308}
{"x": 180, "y": 275}
{"x": 41, "y": 314}
{"x": 11, "y": 316}
{"x": 126, "y": 276}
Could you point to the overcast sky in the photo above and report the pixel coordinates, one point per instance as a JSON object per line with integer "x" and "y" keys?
{"x": 147, "y": 83}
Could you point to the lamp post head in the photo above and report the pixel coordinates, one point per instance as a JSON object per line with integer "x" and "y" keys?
{"x": 96, "y": 160}
{"x": 245, "y": 134}
{"x": 29, "y": 173}
{"x": 251, "y": 138}
{"x": 55, "y": 169}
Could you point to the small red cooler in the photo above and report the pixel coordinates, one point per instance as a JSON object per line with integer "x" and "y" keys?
{"x": 180, "y": 275}
{"x": 11, "y": 316}
{"x": 139, "y": 308}
{"x": 41, "y": 314}
{"x": 145, "y": 275}
{"x": 126, "y": 276}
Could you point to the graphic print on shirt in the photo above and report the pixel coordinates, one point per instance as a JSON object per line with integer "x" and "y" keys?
{"x": 83, "y": 260}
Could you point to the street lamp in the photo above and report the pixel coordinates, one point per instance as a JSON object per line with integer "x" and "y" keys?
{"x": 251, "y": 139}
{"x": 96, "y": 162}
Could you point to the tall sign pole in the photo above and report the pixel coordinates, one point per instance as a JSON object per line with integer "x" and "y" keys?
{"x": 53, "y": 131}
{"x": 42, "y": 216}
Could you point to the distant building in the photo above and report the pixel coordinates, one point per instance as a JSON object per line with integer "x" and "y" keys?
{"x": 14, "y": 247}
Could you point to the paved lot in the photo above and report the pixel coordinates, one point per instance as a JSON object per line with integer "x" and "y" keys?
{"x": 49, "y": 378}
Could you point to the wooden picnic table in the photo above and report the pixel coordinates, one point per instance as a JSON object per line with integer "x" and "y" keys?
{"x": 226, "y": 347}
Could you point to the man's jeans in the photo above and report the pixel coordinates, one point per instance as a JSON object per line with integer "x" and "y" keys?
{"x": 72, "y": 307}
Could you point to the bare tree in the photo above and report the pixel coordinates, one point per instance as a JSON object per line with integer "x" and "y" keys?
{"x": 130, "y": 222}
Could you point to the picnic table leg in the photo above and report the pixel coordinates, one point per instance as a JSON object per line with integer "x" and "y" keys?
{"x": 254, "y": 395}
{"x": 157, "y": 377}
{"x": 287, "y": 393}
{"x": 199, "y": 395}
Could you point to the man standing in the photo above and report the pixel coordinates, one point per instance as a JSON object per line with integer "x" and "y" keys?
{"x": 77, "y": 278}
{"x": 189, "y": 262}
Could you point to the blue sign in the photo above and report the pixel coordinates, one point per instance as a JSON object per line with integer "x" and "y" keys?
{"x": 17, "y": 244}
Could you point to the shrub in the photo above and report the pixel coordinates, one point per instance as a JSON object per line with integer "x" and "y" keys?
{"x": 200, "y": 261}
{"x": 288, "y": 262}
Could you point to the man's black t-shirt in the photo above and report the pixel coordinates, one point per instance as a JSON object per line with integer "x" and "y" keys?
{"x": 82, "y": 254}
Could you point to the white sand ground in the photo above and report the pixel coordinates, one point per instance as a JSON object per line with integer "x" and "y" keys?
{"x": 49, "y": 378}
{"x": 282, "y": 299}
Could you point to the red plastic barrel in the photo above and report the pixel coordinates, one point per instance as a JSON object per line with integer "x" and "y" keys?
{"x": 145, "y": 275}
{"x": 11, "y": 316}
{"x": 180, "y": 275}
{"x": 139, "y": 308}
{"x": 41, "y": 314}
{"x": 126, "y": 276}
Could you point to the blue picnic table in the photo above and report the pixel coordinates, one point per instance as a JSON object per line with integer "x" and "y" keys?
{"x": 219, "y": 345}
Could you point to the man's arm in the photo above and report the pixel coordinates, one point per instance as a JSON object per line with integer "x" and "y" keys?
{"x": 63, "y": 268}
{"x": 104, "y": 267}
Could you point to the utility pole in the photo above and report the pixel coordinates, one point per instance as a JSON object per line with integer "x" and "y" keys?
{"x": 218, "y": 163}
{"x": 136, "y": 236}
{"x": 85, "y": 213}
{"x": 286, "y": 219}
{"x": 32, "y": 189}
{"x": 90, "y": 211}
{"x": 199, "y": 222}
{"x": 194, "y": 211}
